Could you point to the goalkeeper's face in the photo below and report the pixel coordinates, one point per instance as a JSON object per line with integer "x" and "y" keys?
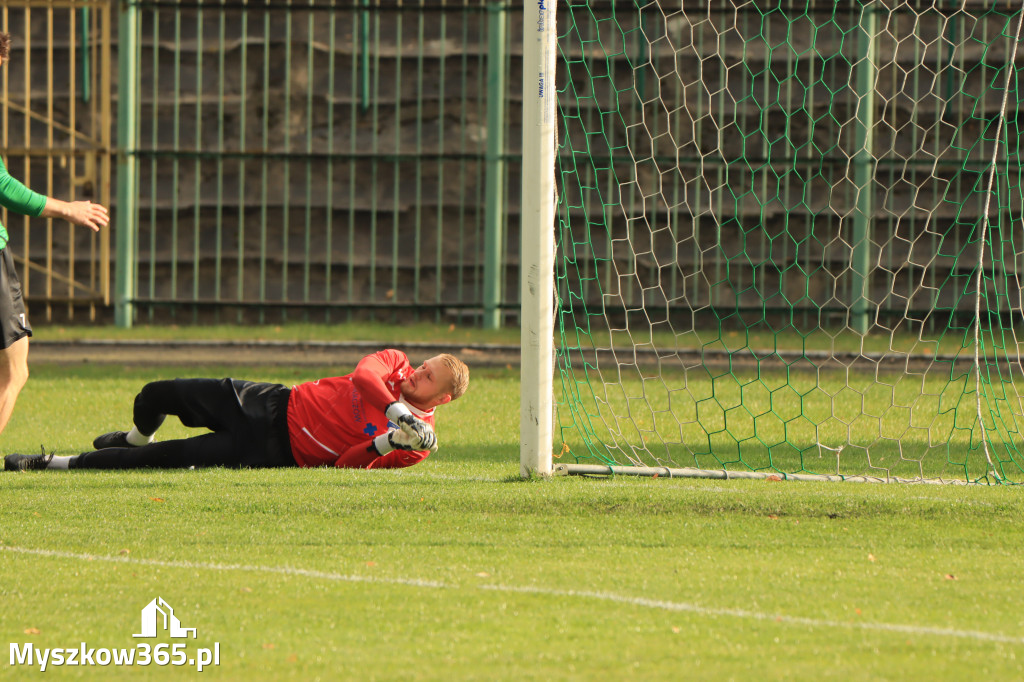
{"x": 429, "y": 385}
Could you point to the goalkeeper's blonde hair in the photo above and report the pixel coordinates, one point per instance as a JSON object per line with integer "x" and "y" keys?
{"x": 460, "y": 374}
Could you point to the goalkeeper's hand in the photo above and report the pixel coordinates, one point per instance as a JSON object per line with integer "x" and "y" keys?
{"x": 396, "y": 439}
{"x": 418, "y": 430}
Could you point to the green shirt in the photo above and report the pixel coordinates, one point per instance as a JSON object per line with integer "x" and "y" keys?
{"x": 16, "y": 197}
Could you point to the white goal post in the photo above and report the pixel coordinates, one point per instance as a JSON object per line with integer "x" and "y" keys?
{"x": 538, "y": 239}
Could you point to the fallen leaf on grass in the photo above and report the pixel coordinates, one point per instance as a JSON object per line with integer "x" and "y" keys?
{"x": 482, "y": 574}
{"x": 773, "y": 516}
{"x": 773, "y": 477}
{"x": 31, "y": 631}
{"x": 124, "y": 552}
{"x": 157, "y": 499}
{"x": 371, "y": 564}
{"x": 293, "y": 658}
{"x": 950, "y": 576}
{"x": 268, "y": 645}
{"x": 871, "y": 557}
{"x": 676, "y": 629}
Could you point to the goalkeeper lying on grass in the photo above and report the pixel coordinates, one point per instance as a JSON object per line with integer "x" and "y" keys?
{"x": 380, "y": 415}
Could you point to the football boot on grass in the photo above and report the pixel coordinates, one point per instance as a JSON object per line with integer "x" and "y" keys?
{"x": 16, "y": 462}
{"x": 114, "y": 439}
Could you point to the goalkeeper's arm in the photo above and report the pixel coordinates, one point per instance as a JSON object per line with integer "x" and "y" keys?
{"x": 391, "y": 450}
{"x": 368, "y": 378}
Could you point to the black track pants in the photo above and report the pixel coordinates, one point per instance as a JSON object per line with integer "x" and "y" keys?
{"x": 249, "y": 422}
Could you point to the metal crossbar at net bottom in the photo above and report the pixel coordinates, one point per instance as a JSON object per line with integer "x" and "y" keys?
{"x": 722, "y": 474}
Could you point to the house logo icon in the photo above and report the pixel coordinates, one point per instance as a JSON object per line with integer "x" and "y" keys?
{"x": 158, "y": 611}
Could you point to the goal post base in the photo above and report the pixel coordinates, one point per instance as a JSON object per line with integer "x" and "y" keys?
{"x": 722, "y": 474}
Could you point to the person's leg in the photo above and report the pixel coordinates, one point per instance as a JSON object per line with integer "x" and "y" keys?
{"x": 249, "y": 421}
{"x": 209, "y": 403}
{"x": 207, "y": 450}
{"x": 13, "y": 376}
{"x": 14, "y": 333}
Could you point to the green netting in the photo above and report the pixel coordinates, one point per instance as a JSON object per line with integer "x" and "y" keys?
{"x": 790, "y": 238}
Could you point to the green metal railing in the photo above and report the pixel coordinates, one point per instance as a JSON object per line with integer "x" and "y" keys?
{"x": 322, "y": 161}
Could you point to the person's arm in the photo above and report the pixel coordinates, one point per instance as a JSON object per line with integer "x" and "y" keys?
{"x": 368, "y": 378}
{"x": 84, "y": 213}
{"x": 14, "y": 196}
{"x": 366, "y": 456}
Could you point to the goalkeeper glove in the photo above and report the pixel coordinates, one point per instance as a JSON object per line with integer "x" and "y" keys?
{"x": 418, "y": 430}
{"x": 396, "y": 439}
{"x": 393, "y": 440}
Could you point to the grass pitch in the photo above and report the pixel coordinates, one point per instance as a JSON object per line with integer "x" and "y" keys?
{"x": 456, "y": 569}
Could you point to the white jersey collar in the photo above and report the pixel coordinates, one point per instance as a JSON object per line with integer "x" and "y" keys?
{"x": 415, "y": 410}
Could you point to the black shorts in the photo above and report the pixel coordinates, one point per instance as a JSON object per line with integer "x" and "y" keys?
{"x": 14, "y": 324}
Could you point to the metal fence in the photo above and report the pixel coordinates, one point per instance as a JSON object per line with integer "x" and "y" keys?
{"x": 322, "y": 161}
{"x": 347, "y": 159}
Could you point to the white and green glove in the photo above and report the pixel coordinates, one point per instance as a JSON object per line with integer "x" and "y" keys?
{"x": 421, "y": 436}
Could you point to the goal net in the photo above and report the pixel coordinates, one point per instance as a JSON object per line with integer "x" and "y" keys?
{"x": 789, "y": 239}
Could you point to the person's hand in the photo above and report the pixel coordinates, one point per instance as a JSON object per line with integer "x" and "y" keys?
{"x": 418, "y": 430}
{"x": 84, "y": 213}
{"x": 400, "y": 440}
{"x": 397, "y": 439}
{"x": 420, "y": 433}
{"x": 88, "y": 214}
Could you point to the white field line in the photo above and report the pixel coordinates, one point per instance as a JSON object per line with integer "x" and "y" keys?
{"x": 575, "y": 594}
{"x": 755, "y": 615}
{"x": 281, "y": 570}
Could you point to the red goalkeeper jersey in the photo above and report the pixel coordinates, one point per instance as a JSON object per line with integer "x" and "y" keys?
{"x": 332, "y": 422}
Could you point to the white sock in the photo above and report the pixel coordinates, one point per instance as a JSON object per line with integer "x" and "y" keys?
{"x": 136, "y": 437}
{"x": 59, "y": 462}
